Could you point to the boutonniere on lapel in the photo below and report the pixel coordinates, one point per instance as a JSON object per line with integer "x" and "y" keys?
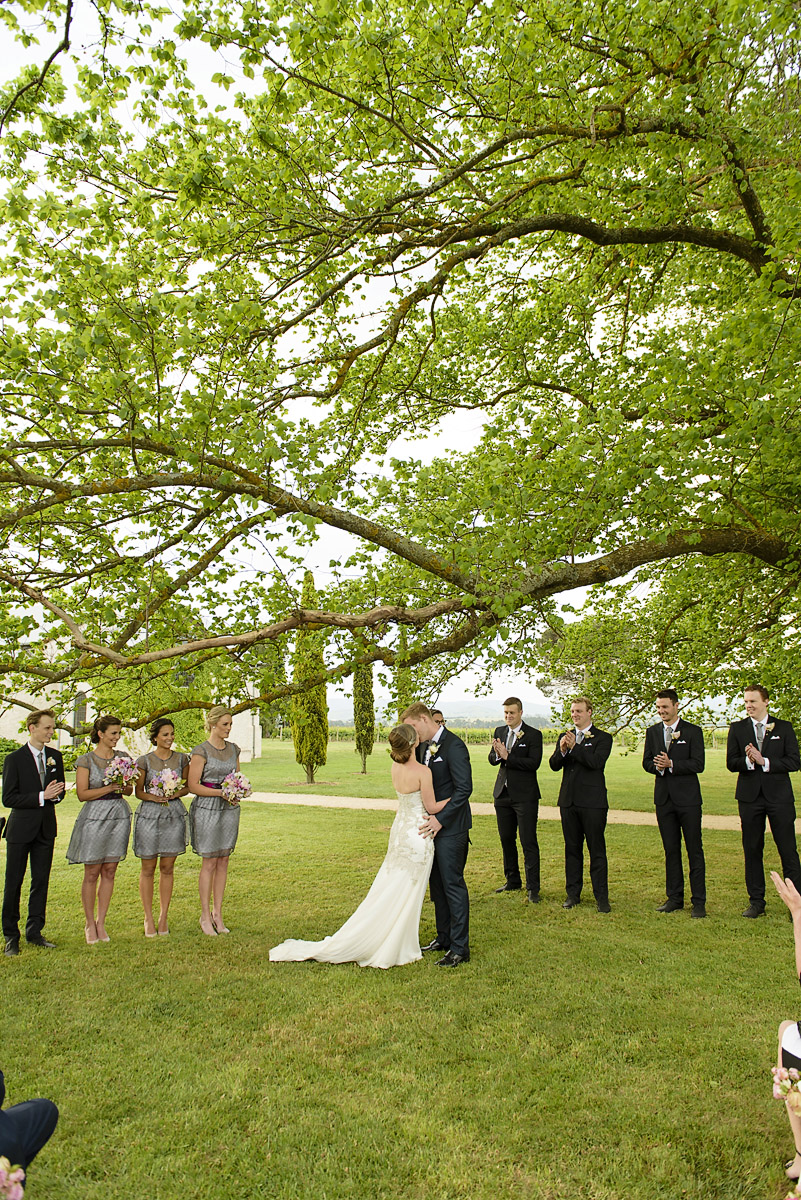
{"x": 674, "y": 735}
{"x": 518, "y": 735}
{"x": 51, "y": 762}
{"x": 433, "y": 751}
{"x": 771, "y": 725}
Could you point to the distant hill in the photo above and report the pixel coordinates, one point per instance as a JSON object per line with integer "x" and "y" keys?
{"x": 460, "y": 711}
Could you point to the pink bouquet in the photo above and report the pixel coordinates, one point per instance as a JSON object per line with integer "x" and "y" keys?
{"x": 235, "y": 787}
{"x": 166, "y": 784}
{"x": 787, "y": 1087}
{"x": 11, "y": 1181}
{"x": 120, "y": 771}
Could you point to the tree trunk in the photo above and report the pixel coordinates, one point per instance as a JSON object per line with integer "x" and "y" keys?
{"x": 309, "y": 774}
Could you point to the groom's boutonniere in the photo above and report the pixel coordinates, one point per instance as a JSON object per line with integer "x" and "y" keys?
{"x": 674, "y": 735}
{"x": 771, "y": 725}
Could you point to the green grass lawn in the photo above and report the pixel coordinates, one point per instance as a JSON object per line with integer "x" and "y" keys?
{"x": 629, "y": 786}
{"x": 620, "y": 1057}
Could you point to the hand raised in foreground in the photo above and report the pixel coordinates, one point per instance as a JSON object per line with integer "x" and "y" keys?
{"x": 788, "y": 892}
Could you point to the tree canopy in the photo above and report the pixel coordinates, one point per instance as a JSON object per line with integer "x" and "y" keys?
{"x": 247, "y": 247}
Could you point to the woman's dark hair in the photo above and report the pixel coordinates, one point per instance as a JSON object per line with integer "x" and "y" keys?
{"x": 101, "y": 725}
{"x": 157, "y": 726}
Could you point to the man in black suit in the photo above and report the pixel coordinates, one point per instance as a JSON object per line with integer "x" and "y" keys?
{"x": 517, "y": 753}
{"x": 33, "y": 783}
{"x": 581, "y": 754}
{"x": 762, "y": 750}
{"x": 674, "y": 754}
{"x": 447, "y": 756}
{"x": 25, "y": 1128}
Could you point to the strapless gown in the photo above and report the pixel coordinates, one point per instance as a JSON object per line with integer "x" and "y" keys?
{"x": 384, "y": 931}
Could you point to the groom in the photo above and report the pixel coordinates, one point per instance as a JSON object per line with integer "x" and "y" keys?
{"x": 447, "y": 756}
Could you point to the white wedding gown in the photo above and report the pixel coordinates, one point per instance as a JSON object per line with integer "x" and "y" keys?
{"x": 384, "y": 930}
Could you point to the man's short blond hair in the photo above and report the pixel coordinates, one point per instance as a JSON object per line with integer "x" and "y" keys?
{"x": 35, "y": 717}
{"x": 585, "y": 700}
{"x": 414, "y": 711}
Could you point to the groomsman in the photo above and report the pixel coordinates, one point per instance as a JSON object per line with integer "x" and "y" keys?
{"x": 762, "y": 750}
{"x": 581, "y": 754}
{"x": 517, "y": 753}
{"x": 33, "y": 784}
{"x": 674, "y": 754}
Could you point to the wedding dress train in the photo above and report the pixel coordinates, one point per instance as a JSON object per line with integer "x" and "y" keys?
{"x": 384, "y": 929}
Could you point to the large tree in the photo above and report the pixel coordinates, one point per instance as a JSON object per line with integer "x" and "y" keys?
{"x": 227, "y": 294}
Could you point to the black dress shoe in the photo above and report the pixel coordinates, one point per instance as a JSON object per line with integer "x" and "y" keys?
{"x": 571, "y": 902}
{"x": 509, "y": 887}
{"x": 532, "y": 897}
{"x": 434, "y": 945}
{"x": 671, "y": 906}
{"x": 754, "y": 910}
{"x": 41, "y": 941}
{"x": 698, "y": 910}
{"x": 12, "y": 947}
{"x": 453, "y": 960}
{"x": 603, "y": 906}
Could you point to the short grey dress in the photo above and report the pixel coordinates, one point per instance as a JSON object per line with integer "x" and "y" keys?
{"x": 213, "y": 822}
{"x": 103, "y": 828}
{"x": 160, "y": 828}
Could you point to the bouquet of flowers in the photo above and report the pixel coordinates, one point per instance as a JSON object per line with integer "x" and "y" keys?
{"x": 11, "y": 1181}
{"x": 235, "y": 787}
{"x": 120, "y": 771}
{"x": 787, "y": 1087}
{"x": 165, "y": 784}
{"x": 795, "y": 1194}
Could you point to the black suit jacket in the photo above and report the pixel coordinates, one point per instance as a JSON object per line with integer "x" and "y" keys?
{"x": 583, "y": 782}
{"x": 452, "y": 776}
{"x": 688, "y": 757}
{"x": 21, "y": 788}
{"x": 779, "y": 746}
{"x": 520, "y": 768}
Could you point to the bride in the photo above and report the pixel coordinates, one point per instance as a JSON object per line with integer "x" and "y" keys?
{"x": 384, "y": 930}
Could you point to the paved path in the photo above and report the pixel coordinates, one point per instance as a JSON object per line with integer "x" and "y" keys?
{"x": 547, "y": 813}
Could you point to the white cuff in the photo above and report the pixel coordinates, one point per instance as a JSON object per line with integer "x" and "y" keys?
{"x": 41, "y": 799}
{"x": 749, "y": 766}
{"x": 766, "y": 765}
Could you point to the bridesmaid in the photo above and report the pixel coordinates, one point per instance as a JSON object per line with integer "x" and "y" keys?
{"x": 213, "y": 822}
{"x": 159, "y": 824}
{"x": 101, "y": 832}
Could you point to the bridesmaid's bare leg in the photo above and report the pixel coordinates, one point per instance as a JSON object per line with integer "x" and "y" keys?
{"x": 218, "y": 888}
{"x": 146, "y": 880}
{"x": 166, "y": 877}
{"x": 107, "y": 872}
{"x": 204, "y": 884}
{"x": 91, "y": 874}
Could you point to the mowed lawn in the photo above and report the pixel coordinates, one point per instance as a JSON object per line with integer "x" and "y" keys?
{"x": 628, "y": 784}
{"x": 619, "y": 1057}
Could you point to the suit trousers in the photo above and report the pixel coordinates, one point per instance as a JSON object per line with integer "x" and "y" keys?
{"x": 781, "y": 816}
{"x": 40, "y": 854}
{"x": 449, "y": 891}
{"x": 580, "y": 825}
{"x": 519, "y": 817}
{"x": 673, "y": 822}
{"x": 25, "y": 1128}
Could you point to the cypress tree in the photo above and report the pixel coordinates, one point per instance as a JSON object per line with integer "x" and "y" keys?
{"x": 363, "y": 711}
{"x": 309, "y": 709}
{"x": 403, "y": 675}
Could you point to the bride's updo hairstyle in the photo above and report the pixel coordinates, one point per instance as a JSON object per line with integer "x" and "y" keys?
{"x": 101, "y": 724}
{"x": 214, "y": 714}
{"x": 401, "y": 743}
